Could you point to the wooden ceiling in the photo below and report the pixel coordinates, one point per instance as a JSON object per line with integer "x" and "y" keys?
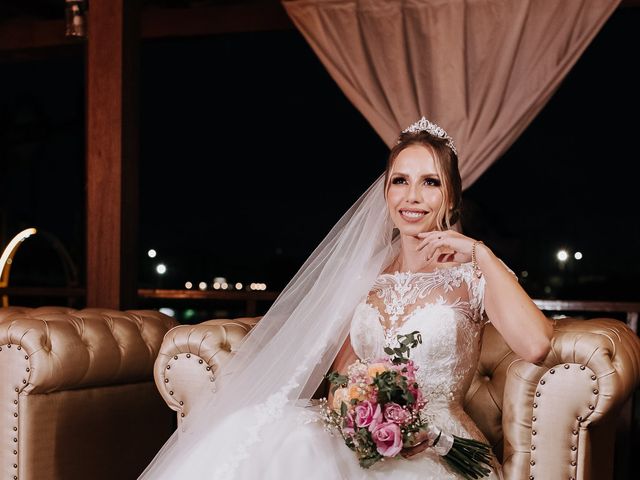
{"x": 36, "y": 28}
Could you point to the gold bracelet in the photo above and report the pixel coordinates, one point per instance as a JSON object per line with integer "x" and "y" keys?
{"x": 474, "y": 260}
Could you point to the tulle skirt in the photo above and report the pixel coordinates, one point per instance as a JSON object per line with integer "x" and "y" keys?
{"x": 296, "y": 445}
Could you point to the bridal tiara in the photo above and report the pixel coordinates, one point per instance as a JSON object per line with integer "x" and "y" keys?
{"x": 424, "y": 125}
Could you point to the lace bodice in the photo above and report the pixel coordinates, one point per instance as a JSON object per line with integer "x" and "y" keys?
{"x": 445, "y": 306}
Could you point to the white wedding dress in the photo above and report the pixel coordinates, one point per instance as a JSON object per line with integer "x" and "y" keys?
{"x": 446, "y": 307}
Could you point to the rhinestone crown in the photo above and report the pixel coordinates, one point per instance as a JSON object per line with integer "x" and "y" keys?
{"x": 424, "y": 125}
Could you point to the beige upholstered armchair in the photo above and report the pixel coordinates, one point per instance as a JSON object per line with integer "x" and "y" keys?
{"x": 551, "y": 421}
{"x": 77, "y": 393}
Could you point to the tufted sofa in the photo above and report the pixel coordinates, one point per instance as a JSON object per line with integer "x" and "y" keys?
{"x": 77, "y": 399}
{"x": 552, "y": 421}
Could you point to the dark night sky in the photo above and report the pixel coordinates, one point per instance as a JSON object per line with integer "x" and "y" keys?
{"x": 250, "y": 153}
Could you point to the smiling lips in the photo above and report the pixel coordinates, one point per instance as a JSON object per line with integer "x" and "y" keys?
{"x": 412, "y": 215}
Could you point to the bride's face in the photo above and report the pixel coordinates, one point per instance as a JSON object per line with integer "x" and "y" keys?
{"x": 414, "y": 193}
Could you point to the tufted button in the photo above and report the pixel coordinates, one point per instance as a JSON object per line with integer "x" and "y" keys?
{"x": 537, "y": 394}
{"x": 573, "y": 463}
{"x": 573, "y": 448}
{"x": 24, "y": 381}
{"x": 188, "y": 355}
{"x": 535, "y": 405}
{"x": 175, "y": 357}
{"x": 200, "y": 361}
{"x": 532, "y": 463}
{"x": 542, "y": 382}
{"x": 166, "y": 380}
{"x": 530, "y": 477}
{"x": 552, "y": 371}
{"x": 182, "y": 414}
{"x": 15, "y": 402}
{"x": 596, "y": 391}
{"x": 593, "y": 377}
{"x": 575, "y": 432}
{"x": 15, "y": 440}
{"x": 533, "y": 419}
{"x": 181, "y": 402}
{"x": 582, "y": 367}
{"x": 19, "y": 347}
{"x": 591, "y": 407}
{"x": 533, "y": 432}
{"x": 9, "y": 346}
{"x": 579, "y": 418}
{"x": 28, "y": 369}
{"x": 168, "y": 367}
{"x": 208, "y": 368}
{"x": 566, "y": 366}
{"x": 15, "y": 452}
{"x": 15, "y": 414}
{"x": 15, "y": 465}
{"x": 15, "y": 429}
{"x": 26, "y": 357}
{"x": 17, "y": 389}
{"x": 533, "y": 447}
{"x": 170, "y": 392}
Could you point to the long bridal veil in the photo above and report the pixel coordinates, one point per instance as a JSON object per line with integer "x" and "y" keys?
{"x": 284, "y": 358}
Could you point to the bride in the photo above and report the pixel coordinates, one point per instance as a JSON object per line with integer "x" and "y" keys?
{"x": 392, "y": 265}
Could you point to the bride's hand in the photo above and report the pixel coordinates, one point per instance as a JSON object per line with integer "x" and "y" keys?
{"x": 421, "y": 443}
{"x": 447, "y": 246}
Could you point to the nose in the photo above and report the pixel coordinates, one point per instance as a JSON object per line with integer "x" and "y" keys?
{"x": 413, "y": 194}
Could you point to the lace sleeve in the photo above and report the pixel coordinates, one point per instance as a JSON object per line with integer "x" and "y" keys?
{"x": 476, "y": 298}
{"x": 476, "y": 294}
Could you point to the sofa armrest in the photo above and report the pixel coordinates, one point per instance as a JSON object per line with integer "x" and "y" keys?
{"x": 54, "y": 348}
{"x": 559, "y": 414}
{"x": 191, "y": 356}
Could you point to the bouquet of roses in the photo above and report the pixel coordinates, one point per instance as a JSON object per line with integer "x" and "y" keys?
{"x": 378, "y": 409}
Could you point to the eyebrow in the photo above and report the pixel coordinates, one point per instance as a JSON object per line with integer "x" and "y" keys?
{"x": 428, "y": 175}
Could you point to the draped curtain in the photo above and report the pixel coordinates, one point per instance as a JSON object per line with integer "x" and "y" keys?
{"x": 482, "y": 69}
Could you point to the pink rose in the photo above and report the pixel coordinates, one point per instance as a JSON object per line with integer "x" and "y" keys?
{"x": 388, "y": 439}
{"x": 368, "y": 414}
{"x": 396, "y": 414}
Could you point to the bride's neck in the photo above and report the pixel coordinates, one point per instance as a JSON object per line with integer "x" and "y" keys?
{"x": 409, "y": 259}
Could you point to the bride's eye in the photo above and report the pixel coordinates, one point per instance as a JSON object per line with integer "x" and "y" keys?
{"x": 432, "y": 182}
{"x": 398, "y": 181}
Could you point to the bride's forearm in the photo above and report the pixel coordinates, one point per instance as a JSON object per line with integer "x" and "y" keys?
{"x": 521, "y": 323}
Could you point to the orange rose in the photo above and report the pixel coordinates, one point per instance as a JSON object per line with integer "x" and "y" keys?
{"x": 376, "y": 369}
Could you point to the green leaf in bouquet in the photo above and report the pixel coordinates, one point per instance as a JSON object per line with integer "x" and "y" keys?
{"x": 343, "y": 409}
{"x": 366, "y": 462}
{"x": 337, "y": 380}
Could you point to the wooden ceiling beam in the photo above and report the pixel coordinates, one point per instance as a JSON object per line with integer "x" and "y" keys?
{"x": 20, "y": 36}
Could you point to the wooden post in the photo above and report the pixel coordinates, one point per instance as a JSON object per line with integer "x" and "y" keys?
{"x": 112, "y": 152}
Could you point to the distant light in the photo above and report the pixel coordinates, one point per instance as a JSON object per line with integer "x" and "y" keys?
{"x": 202, "y": 285}
{"x": 188, "y": 285}
{"x": 216, "y": 285}
{"x": 547, "y": 289}
{"x": 562, "y": 255}
{"x": 224, "y": 285}
{"x": 524, "y": 274}
{"x": 161, "y": 268}
{"x": 252, "y": 286}
{"x": 189, "y": 313}
{"x": 238, "y": 286}
{"x": 152, "y": 253}
{"x": 168, "y": 311}
{"x": 220, "y": 280}
{"x": 577, "y": 255}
